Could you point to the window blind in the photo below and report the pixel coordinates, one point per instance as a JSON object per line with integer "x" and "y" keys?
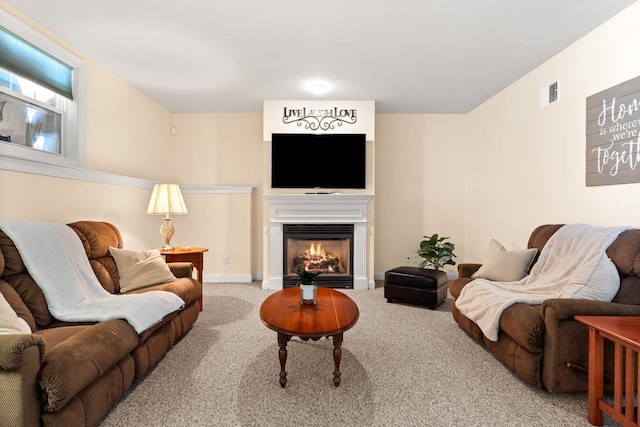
{"x": 26, "y": 60}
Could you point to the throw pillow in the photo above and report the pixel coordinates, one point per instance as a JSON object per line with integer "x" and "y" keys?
{"x": 138, "y": 269}
{"x": 505, "y": 266}
{"x": 10, "y": 322}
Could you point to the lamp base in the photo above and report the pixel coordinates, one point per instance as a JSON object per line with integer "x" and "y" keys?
{"x": 167, "y": 231}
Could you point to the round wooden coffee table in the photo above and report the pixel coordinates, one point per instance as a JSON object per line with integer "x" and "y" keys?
{"x": 333, "y": 314}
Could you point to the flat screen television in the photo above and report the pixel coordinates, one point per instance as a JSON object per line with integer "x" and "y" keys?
{"x": 330, "y": 161}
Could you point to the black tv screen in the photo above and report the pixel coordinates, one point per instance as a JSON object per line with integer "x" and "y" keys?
{"x": 332, "y": 161}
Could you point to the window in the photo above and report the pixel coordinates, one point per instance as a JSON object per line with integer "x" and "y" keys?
{"x": 41, "y": 98}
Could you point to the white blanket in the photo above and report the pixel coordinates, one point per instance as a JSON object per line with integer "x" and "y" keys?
{"x": 572, "y": 264}
{"x": 58, "y": 263}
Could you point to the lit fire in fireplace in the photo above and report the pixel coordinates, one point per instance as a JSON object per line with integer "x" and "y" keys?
{"x": 316, "y": 259}
{"x": 315, "y": 255}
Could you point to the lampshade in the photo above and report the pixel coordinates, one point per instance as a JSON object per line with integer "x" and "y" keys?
{"x": 166, "y": 199}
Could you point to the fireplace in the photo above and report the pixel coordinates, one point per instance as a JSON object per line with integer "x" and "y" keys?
{"x": 318, "y": 209}
{"x": 327, "y": 248}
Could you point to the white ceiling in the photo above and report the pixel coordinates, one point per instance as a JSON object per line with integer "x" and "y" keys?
{"x": 410, "y": 56}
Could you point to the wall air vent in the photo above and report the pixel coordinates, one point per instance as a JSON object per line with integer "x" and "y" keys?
{"x": 549, "y": 94}
{"x": 553, "y": 92}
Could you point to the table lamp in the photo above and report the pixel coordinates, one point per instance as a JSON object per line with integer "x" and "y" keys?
{"x": 166, "y": 199}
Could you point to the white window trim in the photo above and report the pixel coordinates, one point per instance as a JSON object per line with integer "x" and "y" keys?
{"x": 74, "y": 137}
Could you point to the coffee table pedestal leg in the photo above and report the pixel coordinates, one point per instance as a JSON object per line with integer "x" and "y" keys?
{"x": 282, "y": 355}
{"x": 337, "y": 356}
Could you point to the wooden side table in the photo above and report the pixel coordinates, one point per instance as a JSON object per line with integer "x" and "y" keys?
{"x": 624, "y": 331}
{"x": 192, "y": 254}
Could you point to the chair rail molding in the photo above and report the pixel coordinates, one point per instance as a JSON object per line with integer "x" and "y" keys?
{"x": 89, "y": 175}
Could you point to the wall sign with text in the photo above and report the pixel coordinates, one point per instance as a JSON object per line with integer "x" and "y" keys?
{"x": 319, "y": 118}
{"x": 613, "y": 135}
{"x": 346, "y": 117}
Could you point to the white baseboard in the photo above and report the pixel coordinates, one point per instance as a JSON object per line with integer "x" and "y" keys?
{"x": 227, "y": 278}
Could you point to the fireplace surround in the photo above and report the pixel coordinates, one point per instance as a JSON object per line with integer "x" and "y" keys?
{"x": 337, "y": 209}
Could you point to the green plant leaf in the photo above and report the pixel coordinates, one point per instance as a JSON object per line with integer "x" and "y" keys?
{"x": 308, "y": 277}
{"x": 436, "y": 251}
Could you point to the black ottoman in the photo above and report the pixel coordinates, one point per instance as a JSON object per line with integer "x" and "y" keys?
{"x": 416, "y": 285}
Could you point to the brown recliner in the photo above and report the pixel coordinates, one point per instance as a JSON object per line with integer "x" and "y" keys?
{"x": 74, "y": 373}
{"x": 543, "y": 344}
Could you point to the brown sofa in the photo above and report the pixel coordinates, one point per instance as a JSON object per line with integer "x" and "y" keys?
{"x": 65, "y": 374}
{"x": 543, "y": 344}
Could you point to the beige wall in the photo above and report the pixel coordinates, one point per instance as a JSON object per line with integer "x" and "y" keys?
{"x": 527, "y": 166}
{"x": 221, "y": 150}
{"x": 221, "y": 223}
{"x": 127, "y": 132}
{"x": 420, "y": 184}
{"x": 217, "y": 149}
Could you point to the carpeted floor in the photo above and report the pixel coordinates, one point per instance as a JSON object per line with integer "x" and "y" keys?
{"x": 401, "y": 366}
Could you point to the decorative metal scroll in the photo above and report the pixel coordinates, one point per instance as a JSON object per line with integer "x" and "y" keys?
{"x": 319, "y": 118}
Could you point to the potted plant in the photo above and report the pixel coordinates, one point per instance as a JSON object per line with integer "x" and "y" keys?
{"x": 308, "y": 286}
{"x": 436, "y": 251}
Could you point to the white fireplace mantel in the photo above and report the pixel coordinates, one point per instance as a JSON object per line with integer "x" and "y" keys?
{"x": 318, "y": 209}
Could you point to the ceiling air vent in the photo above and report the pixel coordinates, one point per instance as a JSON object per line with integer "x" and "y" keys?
{"x": 549, "y": 94}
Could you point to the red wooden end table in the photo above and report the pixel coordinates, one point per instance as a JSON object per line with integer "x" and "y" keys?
{"x": 192, "y": 254}
{"x": 624, "y": 331}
